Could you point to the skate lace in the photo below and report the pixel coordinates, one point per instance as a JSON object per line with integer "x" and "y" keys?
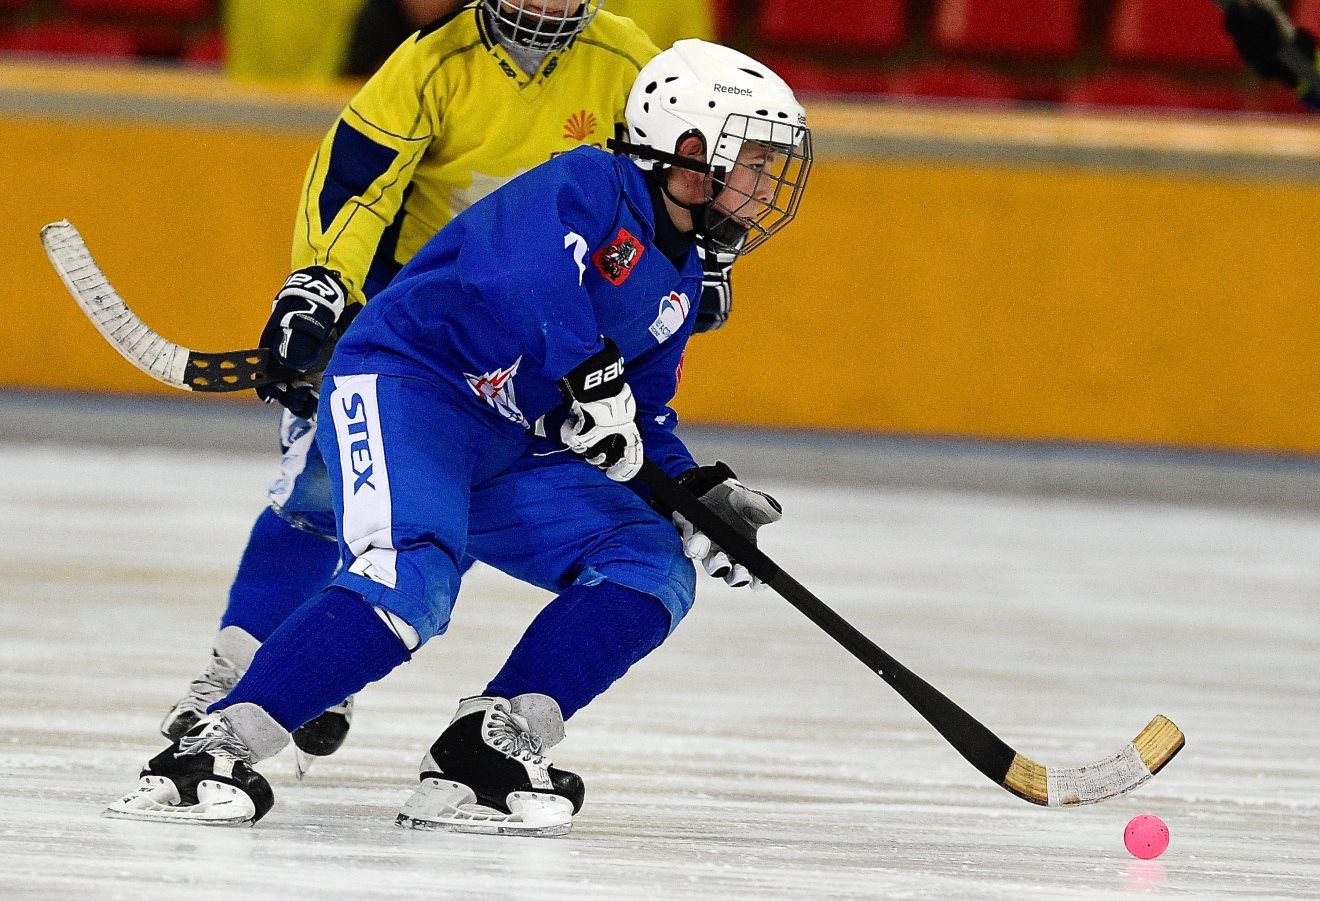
{"x": 214, "y": 682}
{"x": 510, "y": 737}
{"x": 219, "y": 740}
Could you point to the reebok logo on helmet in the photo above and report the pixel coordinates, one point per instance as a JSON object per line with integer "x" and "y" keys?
{"x": 728, "y": 89}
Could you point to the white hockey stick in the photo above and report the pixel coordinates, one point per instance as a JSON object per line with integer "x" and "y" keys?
{"x": 158, "y": 357}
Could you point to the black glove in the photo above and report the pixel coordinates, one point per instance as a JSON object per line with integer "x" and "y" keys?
{"x": 603, "y": 424}
{"x": 716, "y": 290}
{"x": 308, "y": 312}
{"x": 1260, "y": 36}
{"x": 743, "y": 508}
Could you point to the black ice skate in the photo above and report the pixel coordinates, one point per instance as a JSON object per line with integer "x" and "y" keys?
{"x": 206, "y": 776}
{"x": 486, "y": 773}
{"x": 230, "y": 657}
{"x": 322, "y": 736}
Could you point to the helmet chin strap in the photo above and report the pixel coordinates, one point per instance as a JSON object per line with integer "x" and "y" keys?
{"x": 701, "y": 212}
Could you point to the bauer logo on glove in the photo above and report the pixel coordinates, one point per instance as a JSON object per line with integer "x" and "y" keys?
{"x": 602, "y": 423}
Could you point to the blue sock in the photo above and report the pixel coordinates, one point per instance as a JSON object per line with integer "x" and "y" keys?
{"x": 581, "y": 643}
{"x": 331, "y": 647}
{"x": 281, "y": 568}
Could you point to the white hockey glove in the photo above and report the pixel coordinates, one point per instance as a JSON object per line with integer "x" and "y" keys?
{"x": 602, "y": 426}
{"x": 308, "y": 311}
{"x": 743, "y": 508}
{"x": 716, "y": 290}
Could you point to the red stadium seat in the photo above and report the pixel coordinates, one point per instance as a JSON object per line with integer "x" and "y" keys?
{"x": 206, "y": 49}
{"x": 1183, "y": 33}
{"x": 175, "y": 11}
{"x": 62, "y": 38}
{"x": 1278, "y": 99}
{"x": 1307, "y": 13}
{"x": 724, "y": 14}
{"x": 811, "y": 77}
{"x": 1159, "y": 91}
{"x": 863, "y": 26}
{"x": 952, "y": 81}
{"x": 158, "y": 40}
{"x": 1018, "y": 28}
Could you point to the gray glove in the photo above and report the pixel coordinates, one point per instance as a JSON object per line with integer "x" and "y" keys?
{"x": 743, "y": 508}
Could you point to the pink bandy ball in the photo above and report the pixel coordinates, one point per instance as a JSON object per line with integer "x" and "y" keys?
{"x": 1146, "y": 836}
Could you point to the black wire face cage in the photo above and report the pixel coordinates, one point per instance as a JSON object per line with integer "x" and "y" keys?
{"x": 541, "y": 24}
{"x": 759, "y": 194}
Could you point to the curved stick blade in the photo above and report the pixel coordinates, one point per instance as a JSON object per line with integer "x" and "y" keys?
{"x": 1116, "y": 775}
{"x": 158, "y": 357}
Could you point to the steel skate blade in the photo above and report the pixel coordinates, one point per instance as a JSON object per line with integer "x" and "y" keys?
{"x": 482, "y": 827}
{"x": 302, "y": 762}
{"x": 156, "y": 800}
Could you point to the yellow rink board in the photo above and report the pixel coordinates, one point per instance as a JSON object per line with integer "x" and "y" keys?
{"x": 1017, "y": 275}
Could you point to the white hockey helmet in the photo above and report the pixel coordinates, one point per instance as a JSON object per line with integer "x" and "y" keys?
{"x": 728, "y": 99}
{"x": 541, "y": 24}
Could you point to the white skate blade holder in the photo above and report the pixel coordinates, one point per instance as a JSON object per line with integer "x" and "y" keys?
{"x": 446, "y": 806}
{"x": 156, "y": 800}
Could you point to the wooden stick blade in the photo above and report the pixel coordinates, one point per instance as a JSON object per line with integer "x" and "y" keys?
{"x": 163, "y": 360}
{"x": 137, "y": 342}
{"x": 1112, "y": 777}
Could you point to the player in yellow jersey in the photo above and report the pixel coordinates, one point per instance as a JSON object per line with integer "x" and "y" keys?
{"x": 457, "y": 111}
{"x": 469, "y": 102}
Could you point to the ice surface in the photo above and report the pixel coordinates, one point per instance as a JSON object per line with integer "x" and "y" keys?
{"x": 749, "y": 758}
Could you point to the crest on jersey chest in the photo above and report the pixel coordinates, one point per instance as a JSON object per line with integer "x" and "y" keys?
{"x": 673, "y": 313}
{"x": 616, "y": 259}
{"x": 580, "y": 126}
{"x": 496, "y": 389}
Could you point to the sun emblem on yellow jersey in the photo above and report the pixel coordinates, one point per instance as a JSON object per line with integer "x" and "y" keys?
{"x": 580, "y": 126}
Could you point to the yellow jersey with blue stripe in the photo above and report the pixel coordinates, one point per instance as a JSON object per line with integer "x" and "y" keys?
{"x": 449, "y": 118}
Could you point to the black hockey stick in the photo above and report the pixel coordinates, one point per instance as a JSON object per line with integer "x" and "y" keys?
{"x": 1116, "y": 775}
{"x": 163, "y": 360}
{"x": 1301, "y": 68}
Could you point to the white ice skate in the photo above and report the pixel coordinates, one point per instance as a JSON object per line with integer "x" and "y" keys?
{"x": 486, "y": 773}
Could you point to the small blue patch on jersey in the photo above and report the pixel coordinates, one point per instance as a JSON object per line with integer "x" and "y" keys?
{"x": 355, "y": 162}
{"x": 384, "y": 266}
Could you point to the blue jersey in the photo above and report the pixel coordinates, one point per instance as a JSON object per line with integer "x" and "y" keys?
{"x": 524, "y": 286}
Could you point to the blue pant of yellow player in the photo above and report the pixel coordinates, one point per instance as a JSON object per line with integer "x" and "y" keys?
{"x": 420, "y": 482}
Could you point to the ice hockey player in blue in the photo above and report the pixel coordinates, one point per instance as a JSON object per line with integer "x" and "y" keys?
{"x": 542, "y": 327}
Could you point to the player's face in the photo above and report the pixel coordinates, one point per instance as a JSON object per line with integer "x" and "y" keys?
{"x": 750, "y": 185}
{"x": 545, "y": 9}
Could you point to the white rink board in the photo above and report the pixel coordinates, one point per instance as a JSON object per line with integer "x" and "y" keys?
{"x": 749, "y": 758}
